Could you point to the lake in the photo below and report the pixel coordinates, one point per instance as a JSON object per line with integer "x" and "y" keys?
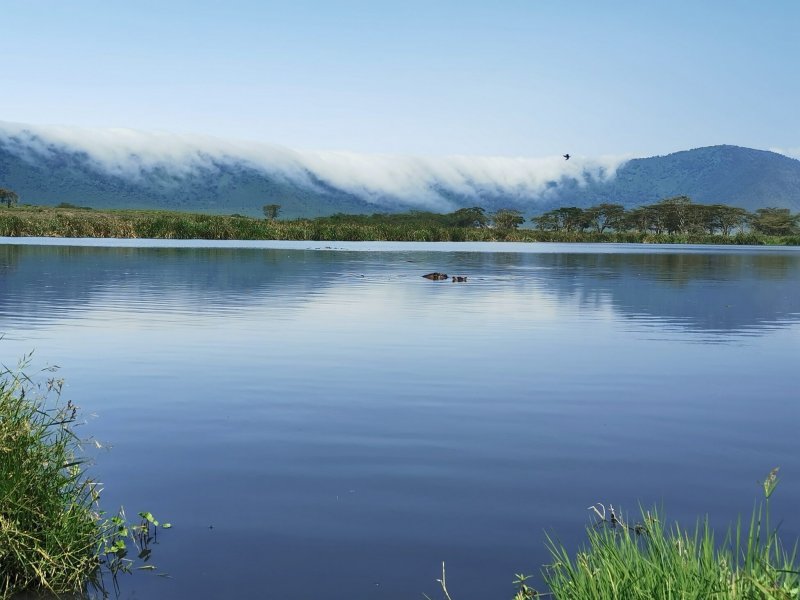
{"x": 318, "y": 420}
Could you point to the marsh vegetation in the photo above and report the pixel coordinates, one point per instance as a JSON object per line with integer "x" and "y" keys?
{"x": 673, "y": 220}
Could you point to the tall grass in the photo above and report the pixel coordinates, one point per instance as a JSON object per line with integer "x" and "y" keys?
{"x": 653, "y": 560}
{"x": 49, "y": 530}
{"x": 53, "y": 537}
{"x": 28, "y": 221}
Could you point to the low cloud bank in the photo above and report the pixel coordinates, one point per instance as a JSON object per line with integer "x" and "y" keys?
{"x": 425, "y": 182}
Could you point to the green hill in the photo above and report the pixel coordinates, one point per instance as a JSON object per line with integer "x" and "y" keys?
{"x": 717, "y": 174}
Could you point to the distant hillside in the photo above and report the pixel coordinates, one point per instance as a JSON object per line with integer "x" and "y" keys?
{"x": 717, "y": 174}
{"x": 72, "y": 177}
{"x": 162, "y": 172}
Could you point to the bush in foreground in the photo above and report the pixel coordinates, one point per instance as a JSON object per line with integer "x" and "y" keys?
{"x": 53, "y": 538}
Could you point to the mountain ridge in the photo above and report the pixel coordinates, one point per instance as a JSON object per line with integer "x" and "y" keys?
{"x": 724, "y": 174}
{"x": 50, "y": 171}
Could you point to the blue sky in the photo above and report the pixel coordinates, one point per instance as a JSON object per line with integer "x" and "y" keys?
{"x": 506, "y": 78}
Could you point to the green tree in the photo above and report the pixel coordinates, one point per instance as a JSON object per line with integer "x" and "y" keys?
{"x": 8, "y": 197}
{"x": 775, "y": 221}
{"x": 706, "y": 217}
{"x": 730, "y": 217}
{"x": 655, "y": 218}
{"x": 506, "y": 218}
{"x": 547, "y": 222}
{"x": 720, "y": 218}
{"x": 571, "y": 218}
{"x": 468, "y": 217}
{"x": 675, "y": 213}
{"x": 604, "y": 216}
{"x": 271, "y": 211}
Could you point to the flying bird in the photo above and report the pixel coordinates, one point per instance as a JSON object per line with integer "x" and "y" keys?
{"x": 566, "y": 156}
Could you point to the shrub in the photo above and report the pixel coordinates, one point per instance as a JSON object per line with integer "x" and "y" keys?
{"x": 49, "y": 529}
{"x": 53, "y": 537}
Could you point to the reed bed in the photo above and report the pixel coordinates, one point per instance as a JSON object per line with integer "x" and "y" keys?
{"x": 27, "y": 221}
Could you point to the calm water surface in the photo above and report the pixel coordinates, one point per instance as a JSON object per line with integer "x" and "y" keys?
{"x": 323, "y": 422}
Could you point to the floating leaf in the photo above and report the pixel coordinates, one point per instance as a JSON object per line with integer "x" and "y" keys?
{"x": 149, "y": 518}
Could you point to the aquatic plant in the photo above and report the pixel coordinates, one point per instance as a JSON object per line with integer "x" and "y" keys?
{"x": 650, "y": 560}
{"x": 53, "y": 536}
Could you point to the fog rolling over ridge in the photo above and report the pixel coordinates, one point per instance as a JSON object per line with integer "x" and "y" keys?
{"x": 121, "y": 168}
{"x": 164, "y": 167}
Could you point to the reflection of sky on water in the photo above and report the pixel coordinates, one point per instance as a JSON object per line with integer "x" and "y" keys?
{"x": 336, "y": 409}
{"x": 719, "y": 292}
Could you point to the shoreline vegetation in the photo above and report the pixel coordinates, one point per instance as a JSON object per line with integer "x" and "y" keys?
{"x": 55, "y": 540}
{"x": 651, "y": 559}
{"x": 672, "y": 221}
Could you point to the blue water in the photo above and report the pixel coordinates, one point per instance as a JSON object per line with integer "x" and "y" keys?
{"x": 318, "y": 420}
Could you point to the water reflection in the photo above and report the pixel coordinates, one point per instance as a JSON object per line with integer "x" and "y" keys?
{"x": 332, "y": 418}
{"x": 714, "y": 292}
{"x": 708, "y": 292}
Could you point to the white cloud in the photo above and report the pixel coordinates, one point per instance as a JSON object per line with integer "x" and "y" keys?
{"x": 420, "y": 181}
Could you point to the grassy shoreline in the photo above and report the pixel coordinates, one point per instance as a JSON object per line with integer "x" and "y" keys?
{"x": 54, "y": 538}
{"x": 653, "y": 559}
{"x": 39, "y": 221}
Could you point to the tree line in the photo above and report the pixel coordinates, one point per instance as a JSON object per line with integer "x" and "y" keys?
{"x": 676, "y": 215}
{"x": 671, "y": 216}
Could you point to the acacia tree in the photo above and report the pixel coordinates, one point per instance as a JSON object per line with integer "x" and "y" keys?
{"x": 638, "y": 219}
{"x": 8, "y": 197}
{"x": 731, "y": 217}
{"x": 775, "y": 221}
{"x": 568, "y": 218}
{"x": 271, "y": 211}
{"x": 571, "y": 218}
{"x": 507, "y": 218}
{"x": 719, "y": 217}
{"x": 675, "y": 213}
{"x": 655, "y": 218}
{"x": 469, "y": 217}
{"x": 706, "y": 218}
{"x": 546, "y": 222}
{"x": 604, "y": 216}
